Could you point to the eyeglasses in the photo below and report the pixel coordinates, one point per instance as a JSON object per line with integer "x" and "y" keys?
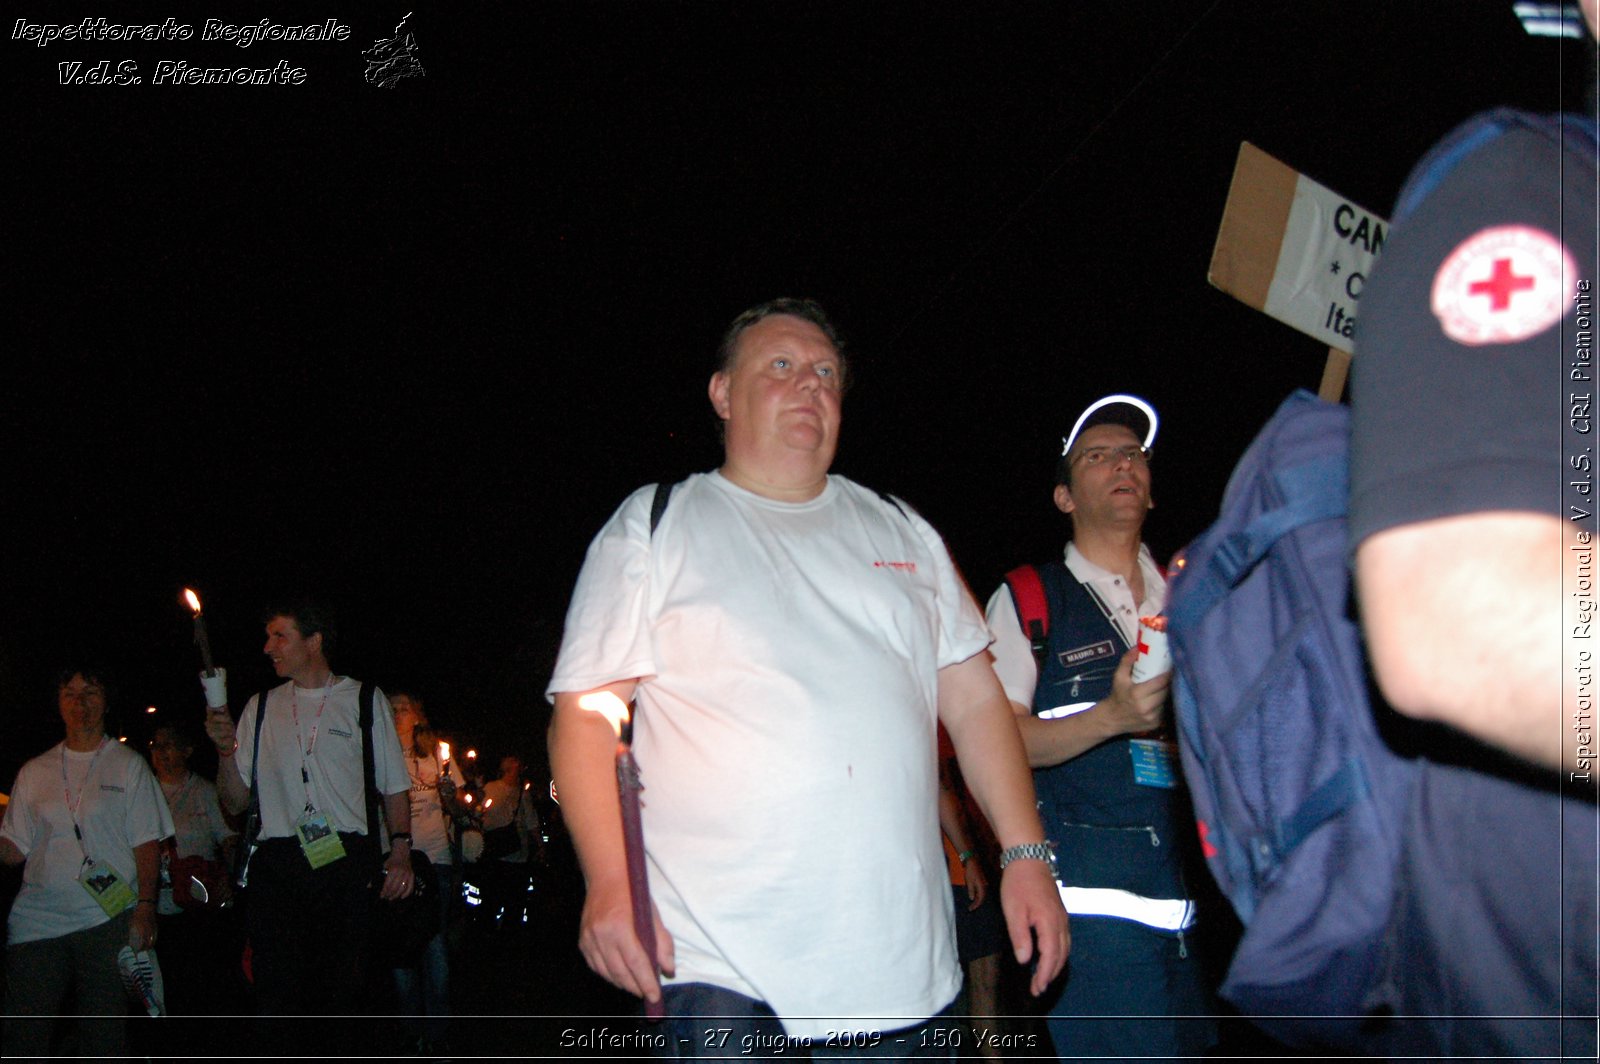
{"x": 1131, "y": 453}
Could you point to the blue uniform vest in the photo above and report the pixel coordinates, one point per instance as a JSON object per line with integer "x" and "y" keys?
{"x": 1109, "y": 831}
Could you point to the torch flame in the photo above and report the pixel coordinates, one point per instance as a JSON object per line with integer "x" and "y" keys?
{"x": 608, "y": 706}
{"x": 444, "y": 751}
{"x": 192, "y": 599}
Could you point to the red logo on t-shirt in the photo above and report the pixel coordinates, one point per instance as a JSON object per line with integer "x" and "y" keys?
{"x": 1503, "y": 284}
{"x": 905, "y": 567}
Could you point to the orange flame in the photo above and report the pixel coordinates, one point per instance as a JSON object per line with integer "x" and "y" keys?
{"x": 193, "y": 600}
{"x": 444, "y": 751}
{"x": 608, "y": 706}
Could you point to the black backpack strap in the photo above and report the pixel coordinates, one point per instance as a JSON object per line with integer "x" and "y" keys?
{"x": 369, "y": 771}
{"x": 658, "y": 505}
{"x": 252, "y": 811}
{"x": 255, "y": 755}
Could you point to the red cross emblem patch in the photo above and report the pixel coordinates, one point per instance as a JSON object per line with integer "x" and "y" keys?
{"x": 1503, "y": 284}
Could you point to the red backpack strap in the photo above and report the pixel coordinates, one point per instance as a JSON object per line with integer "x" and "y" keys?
{"x": 1033, "y": 609}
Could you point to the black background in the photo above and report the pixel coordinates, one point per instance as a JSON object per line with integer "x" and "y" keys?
{"x": 408, "y": 347}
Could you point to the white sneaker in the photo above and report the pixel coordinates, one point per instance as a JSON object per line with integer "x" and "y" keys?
{"x": 141, "y": 977}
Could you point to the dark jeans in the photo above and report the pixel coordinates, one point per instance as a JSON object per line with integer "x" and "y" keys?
{"x": 1131, "y": 992}
{"x": 707, "y": 1022}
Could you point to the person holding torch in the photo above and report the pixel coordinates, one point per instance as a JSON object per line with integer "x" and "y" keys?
{"x": 308, "y": 876}
{"x": 791, "y": 640}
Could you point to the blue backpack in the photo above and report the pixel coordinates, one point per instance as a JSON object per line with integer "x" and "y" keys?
{"x": 1301, "y": 776}
{"x": 1299, "y": 799}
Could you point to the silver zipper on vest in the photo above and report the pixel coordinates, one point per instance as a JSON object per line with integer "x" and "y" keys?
{"x": 1155, "y": 840}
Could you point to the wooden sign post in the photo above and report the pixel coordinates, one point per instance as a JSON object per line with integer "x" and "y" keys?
{"x": 1297, "y": 251}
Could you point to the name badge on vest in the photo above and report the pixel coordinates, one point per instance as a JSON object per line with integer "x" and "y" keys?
{"x": 1072, "y": 659}
{"x": 1153, "y": 763}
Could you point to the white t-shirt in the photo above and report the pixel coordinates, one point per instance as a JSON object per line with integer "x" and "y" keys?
{"x": 429, "y": 829}
{"x": 788, "y": 656}
{"x": 1013, "y": 653}
{"x": 318, "y": 729}
{"x": 119, "y": 806}
{"x": 199, "y": 828}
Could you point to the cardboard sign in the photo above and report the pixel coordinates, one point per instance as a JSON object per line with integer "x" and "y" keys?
{"x": 1295, "y": 249}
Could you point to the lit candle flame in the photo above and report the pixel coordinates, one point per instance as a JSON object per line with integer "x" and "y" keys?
{"x": 487, "y": 802}
{"x": 468, "y": 797}
{"x": 472, "y": 755}
{"x": 609, "y": 706}
{"x": 151, "y": 709}
{"x": 192, "y": 599}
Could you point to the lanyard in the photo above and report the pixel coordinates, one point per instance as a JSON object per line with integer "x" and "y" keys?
{"x": 66, "y": 788}
{"x": 307, "y": 747}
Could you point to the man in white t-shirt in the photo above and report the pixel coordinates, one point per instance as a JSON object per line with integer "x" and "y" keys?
{"x": 307, "y": 896}
{"x": 792, "y": 640}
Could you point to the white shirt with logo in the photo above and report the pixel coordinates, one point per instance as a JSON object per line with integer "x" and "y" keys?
{"x": 788, "y": 656}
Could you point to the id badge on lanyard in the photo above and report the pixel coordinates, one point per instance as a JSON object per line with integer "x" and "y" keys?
{"x": 103, "y": 883}
{"x": 318, "y": 840}
{"x": 106, "y": 886}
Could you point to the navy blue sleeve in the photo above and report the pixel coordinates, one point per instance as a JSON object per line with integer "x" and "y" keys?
{"x": 1474, "y": 343}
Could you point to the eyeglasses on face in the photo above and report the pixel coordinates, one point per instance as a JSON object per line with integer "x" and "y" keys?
{"x": 1130, "y": 453}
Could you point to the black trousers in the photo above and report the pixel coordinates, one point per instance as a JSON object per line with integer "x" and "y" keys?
{"x": 308, "y": 928}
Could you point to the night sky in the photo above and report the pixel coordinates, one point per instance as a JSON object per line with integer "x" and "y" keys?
{"x": 408, "y": 347}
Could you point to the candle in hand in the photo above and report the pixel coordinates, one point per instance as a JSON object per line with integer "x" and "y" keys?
{"x": 611, "y": 707}
{"x": 200, "y": 637}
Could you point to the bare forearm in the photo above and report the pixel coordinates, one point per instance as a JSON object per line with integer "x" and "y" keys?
{"x": 147, "y": 866}
{"x": 1051, "y": 742}
{"x": 952, "y": 822}
{"x": 397, "y": 811}
{"x": 231, "y": 789}
{"x": 582, "y": 760}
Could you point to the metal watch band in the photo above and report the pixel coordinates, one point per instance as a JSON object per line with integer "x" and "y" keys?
{"x": 1029, "y": 851}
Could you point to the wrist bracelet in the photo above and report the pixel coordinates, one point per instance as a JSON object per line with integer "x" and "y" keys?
{"x": 965, "y": 855}
{"x": 396, "y": 836}
{"x": 1030, "y": 851}
{"x": 229, "y": 753}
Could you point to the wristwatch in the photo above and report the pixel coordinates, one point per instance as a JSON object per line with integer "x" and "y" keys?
{"x": 1030, "y": 851}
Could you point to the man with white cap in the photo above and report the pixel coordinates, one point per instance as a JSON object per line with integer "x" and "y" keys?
{"x": 1066, "y": 640}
